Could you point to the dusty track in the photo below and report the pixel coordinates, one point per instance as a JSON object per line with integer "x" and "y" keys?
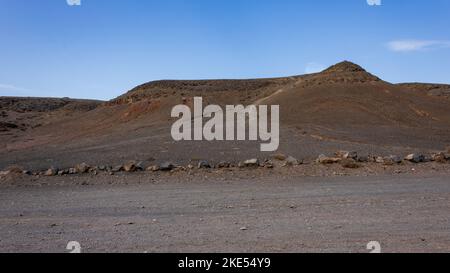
{"x": 405, "y": 213}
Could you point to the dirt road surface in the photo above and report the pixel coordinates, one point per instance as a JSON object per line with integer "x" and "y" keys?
{"x": 404, "y": 213}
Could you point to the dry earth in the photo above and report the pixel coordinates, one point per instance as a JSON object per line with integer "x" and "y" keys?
{"x": 305, "y": 208}
{"x": 244, "y": 212}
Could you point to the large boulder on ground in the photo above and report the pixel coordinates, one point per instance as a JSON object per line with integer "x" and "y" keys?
{"x": 249, "y": 163}
{"x": 268, "y": 164}
{"x": 51, "y": 172}
{"x": 203, "y": 164}
{"x": 345, "y": 155}
{"x": 154, "y": 168}
{"x": 132, "y": 166}
{"x": 117, "y": 169}
{"x": 392, "y": 160}
{"x": 415, "y": 158}
{"x": 82, "y": 168}
{"x": 363, "y": 159}
{"x": 323, "y": 159}
{"x": 166, "y": 166}
{"x": 63, "y": 172}
{"x": 379, "y": 160}
{"x": 439, "y": 157}
{"x": 291, "y": 161}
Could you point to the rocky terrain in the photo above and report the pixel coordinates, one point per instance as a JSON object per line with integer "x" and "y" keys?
{"x": 227, "y": 212}
{"x": 436, "y": 90}
{"x": 360, "y": 160}
{"x": 342, "y": 108}
{"x": 21, "y": 114}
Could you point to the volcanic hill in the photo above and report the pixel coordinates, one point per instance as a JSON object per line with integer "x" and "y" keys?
{"x": 343, "y": 107}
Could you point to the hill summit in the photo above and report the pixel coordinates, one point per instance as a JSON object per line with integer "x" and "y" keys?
{"x": 246, "y": 91}
{"x": 344, "y": 66}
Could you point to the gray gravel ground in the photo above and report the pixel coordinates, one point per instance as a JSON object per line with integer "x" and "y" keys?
{"x": 405, "y": 213}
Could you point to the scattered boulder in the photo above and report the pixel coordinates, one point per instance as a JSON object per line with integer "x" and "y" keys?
{"x": 51, "y": 172}
{"x": 223, "y": 165}
{"x": 117, "y": 169}
{"x": 363, "y": 159}
{"x": 63, "y": 172}
{"x": 250, "y": 163}
{"x": 154, "y": 168}
{"x": 179, "y": 169}
{"x": 131, "y": 166}
{"x": 379, "y": 160}
{"x": 372, "y": 159}
{"x": 349, "y": 163}
{"x": 268, "y": 164}
{"x": 392, "y": 160}
{"x": 439, "y": 157}
{"x": 415, "y": 158}
{"x": 345, "y": 155}
{"x": 72, "y": 171}
{"x": 203, "y": 164}
{"x": 140, "y": 166}
{"x": 291, "y": 161}
{"x": 82, "y": 168}
{"x": 323, "y": 159}
{"x": 166, "y": 166}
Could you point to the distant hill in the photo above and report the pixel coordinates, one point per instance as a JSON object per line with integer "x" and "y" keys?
{"x": 342, "y": 107}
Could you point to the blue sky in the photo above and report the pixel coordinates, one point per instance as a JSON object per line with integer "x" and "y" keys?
{"x": 103, "y": 48}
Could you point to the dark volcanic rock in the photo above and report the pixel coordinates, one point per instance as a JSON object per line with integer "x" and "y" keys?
{"x": 415, "y": 158}
{"x": 117, "y": 169}
{"x": 166, "y": 166}
{"x": 392, "y": 160}
{"x": 204, "y": 165}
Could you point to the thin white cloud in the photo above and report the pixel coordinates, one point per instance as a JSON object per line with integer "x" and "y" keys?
{"x": 416, "y": 45}
{"x": 374, "y": 2}
{"x": 314, "y": 67}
